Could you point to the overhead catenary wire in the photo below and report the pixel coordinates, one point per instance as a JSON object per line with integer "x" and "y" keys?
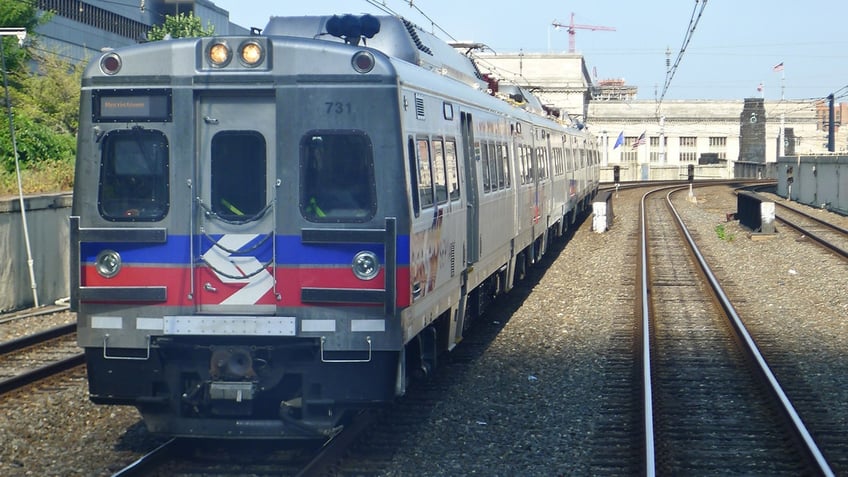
{"x": 690, "y": 31}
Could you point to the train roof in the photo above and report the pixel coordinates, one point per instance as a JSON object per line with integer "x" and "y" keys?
{"x": 397, "y": 37}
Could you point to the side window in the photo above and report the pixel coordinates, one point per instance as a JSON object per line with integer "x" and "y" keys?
{"x": 529, "y": 159}
{"x": 238, "y": 174}
{"x": 134, "y": 184}
{"x": 337, "y": 177}
{"x": 542, "y": 162}
{"x": 439, "y": 179}
{"x": 413, "y": 174}
{"x": 504, "y": 153}
{"x": 519, "y": 155}
{"x": 451, "y": 168}
{"x": 425, "y": 180}
{"x": 493, "y": 167}
{"x": 484, "y": 168}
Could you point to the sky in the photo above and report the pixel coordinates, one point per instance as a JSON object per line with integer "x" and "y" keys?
{"x": 731, "y": 51}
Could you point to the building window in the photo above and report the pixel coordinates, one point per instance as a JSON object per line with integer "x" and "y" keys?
{"x": 655, "y": 148}
{"x": 96, "y": 17}
{"x": 628, "y": 152}
{"x": 718, "y": 145}
{"x": 688, "y": 152}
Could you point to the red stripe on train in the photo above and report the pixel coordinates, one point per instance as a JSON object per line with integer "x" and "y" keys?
{"x": 289, "y": 282}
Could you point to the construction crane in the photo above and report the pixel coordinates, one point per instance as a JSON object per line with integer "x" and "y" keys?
{"x": 571, "y": 27}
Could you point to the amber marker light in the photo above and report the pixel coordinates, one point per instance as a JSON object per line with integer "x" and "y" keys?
{"x": 251, "y": 53}
{"x": 219, "y": 54}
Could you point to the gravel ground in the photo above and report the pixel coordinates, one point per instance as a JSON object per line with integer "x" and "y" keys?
{"x": 502, "y": 424}
{"x": 532, "y": 402}
{"x": 53, "y": 429}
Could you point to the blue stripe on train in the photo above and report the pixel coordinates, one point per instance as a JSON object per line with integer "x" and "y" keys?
{"x": 290, "y": 251}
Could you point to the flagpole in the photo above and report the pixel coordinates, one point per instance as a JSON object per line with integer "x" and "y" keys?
{"x": 780, "y": 146}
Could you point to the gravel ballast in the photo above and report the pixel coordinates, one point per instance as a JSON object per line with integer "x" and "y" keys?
{"x": 533, "y": 402}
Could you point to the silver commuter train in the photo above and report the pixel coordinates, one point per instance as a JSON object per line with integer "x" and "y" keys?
{"x": 269, "y": 232}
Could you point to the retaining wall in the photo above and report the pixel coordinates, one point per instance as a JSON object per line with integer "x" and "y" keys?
{"x": 47, "y": 222}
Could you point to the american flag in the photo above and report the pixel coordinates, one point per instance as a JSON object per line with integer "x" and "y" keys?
{"x": 778, "y": 67}
{"x": 640, "y": 140}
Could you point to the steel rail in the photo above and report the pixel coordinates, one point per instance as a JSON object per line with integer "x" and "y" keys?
{"x": 810, "y": 446}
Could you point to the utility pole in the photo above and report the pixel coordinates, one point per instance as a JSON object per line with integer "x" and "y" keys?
{"x": 21, "y": 34}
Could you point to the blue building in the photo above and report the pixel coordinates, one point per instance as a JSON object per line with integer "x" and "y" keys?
{"x": 78, "y": 31}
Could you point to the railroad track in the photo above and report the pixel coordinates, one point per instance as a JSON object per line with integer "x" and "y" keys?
{"x": 37, "y": 356}
{"x": 711, "y": 404}
{"x": 31, "y": 312}
{"x": 826, "y": 234}
{"x": 366, "y": 445}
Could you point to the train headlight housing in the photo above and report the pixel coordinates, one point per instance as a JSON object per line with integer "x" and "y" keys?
{"x": 363, "y": 62}
{"x": 219, "y": 54}
{"x": 110, "y": 63}
{"x": 108, "y": 263}
{"x": 365, "y": 265}
{"x": 251, "y": 53}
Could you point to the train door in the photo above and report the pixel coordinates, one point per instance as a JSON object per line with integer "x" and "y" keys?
{"x": 233, "y": 248}
{"x": 473, "y": 214}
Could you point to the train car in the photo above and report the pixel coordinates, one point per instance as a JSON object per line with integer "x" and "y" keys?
{"x": 270, "y": 232}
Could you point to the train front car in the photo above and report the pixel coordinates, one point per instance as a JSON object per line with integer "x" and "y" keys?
{"x": 235, "y": 233}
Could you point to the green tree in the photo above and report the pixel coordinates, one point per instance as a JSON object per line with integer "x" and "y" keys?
{"x": 37, "y": 145}
{"x": 180, "y": 26}
{"x": 15, "y": 14}
{"x": 50, "y": 95}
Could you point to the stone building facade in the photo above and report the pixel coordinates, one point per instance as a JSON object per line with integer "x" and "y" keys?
{"x": 676, "y": 132}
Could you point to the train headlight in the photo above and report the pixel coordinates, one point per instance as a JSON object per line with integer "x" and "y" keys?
{"x": 365, "y": 265}
{"x": 363, "y": 62}
{"x": 110, "y": 63}
{"x": 108, "y": 263}
{"x": 219, "y": 54}
{"x": 251, "y": 53}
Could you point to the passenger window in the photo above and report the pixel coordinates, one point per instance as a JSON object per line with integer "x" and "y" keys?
{"x": 425, "y": 179}
{"x": 238, "y": 174}
{"x": 522, "y": 167}
{"x": 337, "y": 177}
{"x": 504, "y": 154}
{"x": 493, "y": 167}
{"x": 413, "y": 174}
{"x": 452, "y": 168}
{"x": 134, "y": 181}
{"x": 541, "y": 163}
{"x": 484, "y": 164}
{"x": 439, "y": 179}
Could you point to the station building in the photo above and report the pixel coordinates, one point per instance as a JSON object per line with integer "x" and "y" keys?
{"x": 648, "y": 140}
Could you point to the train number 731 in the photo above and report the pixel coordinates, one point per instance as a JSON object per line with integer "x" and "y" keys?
{"x": 334, "y": 107}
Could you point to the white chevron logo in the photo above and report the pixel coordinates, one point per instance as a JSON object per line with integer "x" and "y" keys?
{"x": 239, "y": 266}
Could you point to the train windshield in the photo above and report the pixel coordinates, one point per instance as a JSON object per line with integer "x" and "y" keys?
{"x": 337, "y": 177}
{"x": 134, "y": 176}
{"x": 238, "y": 174}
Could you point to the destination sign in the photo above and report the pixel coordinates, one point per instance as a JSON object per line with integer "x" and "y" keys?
{"x": 132, "y": 106}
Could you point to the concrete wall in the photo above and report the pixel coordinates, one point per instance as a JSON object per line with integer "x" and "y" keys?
{"x": 47, "y": 222}
{"x": 630, "y": 172}
{"x": 818, "y": 181}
